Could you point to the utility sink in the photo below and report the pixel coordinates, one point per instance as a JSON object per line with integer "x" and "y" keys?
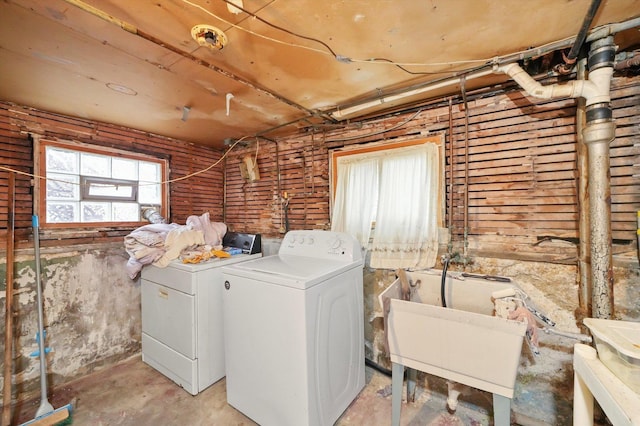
{"x": 618, "y": 346}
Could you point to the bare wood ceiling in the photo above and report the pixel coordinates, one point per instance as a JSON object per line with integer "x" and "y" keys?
{"x": 287, "y": 64}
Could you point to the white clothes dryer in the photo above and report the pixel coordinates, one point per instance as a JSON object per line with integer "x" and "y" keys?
{"x": 294, "y": 330}
{"x": 182, "y": 316}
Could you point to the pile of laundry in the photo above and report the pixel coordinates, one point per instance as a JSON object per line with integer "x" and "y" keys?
{"x": 160, "y": 243}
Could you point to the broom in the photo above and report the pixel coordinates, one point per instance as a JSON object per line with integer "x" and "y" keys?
{"x": 45, "y": 415}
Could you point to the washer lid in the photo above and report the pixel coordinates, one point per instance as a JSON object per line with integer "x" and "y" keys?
{"x": 291, "y": 270}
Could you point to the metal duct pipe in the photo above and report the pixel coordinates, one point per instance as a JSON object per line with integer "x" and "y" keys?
{"x": 598, "y": 133}
{"x": 633, "y": 61}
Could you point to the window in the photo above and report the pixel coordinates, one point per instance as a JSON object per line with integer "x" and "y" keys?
{"x": 390, "y": 198}
{"x": 91, "y": 185}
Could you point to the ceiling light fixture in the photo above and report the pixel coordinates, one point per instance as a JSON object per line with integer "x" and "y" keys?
{"x": 209, "y": 36}
{"x": 121, "y": 89}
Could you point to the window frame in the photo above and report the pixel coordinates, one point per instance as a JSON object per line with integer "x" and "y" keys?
{"x": 40, "y": 182}
{"x": 87, "y": 181}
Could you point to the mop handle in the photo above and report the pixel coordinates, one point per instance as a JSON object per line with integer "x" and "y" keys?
{"x": 41, "y": 345}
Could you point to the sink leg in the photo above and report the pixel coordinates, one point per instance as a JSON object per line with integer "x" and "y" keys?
{"x": 501, "y": 410}
{"x": 411, "y": 384}
{"x": 582, "y": 402}
{"x": 397, "y": 377}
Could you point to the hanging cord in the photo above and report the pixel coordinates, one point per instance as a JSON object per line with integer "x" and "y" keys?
{"x": 313, "y": 164}
{"x": 279, "y": 185}
{"x": 443, "y": 280}
{"x": 255, "y": 159}
{"x": 36, "y": 176}
{"x": 450, "y": 206}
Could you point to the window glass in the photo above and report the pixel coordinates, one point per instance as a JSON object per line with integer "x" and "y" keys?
{"x": 95, "y": 212}
{"x": 62, "y": 160}
{"x": 58, "y": 212}
{"x": 62, "y": 187}
{"x": 149, "y": 193}
{"x": 125, "y": 212}
{"x": 95, "y": 165}
{"x": 149, "y": 172}
{"x": 122, "y": 168}
{"x": 103, "y": 189}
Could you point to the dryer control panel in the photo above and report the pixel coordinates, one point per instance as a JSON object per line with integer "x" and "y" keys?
{"x": 321, "y": 244}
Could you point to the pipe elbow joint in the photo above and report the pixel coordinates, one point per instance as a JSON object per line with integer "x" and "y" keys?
{"x": 527, "y": 82}
{"x": 520, "y": 76}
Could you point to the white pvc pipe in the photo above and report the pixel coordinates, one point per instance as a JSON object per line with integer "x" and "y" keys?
{"x": 595, "y": 90}
{"x": 346, "y": 112}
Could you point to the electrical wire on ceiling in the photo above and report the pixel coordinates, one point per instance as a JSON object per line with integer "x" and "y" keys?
{"x": 394, "y": 127}
{"x": 528, "y": 53}
{"x": 197, "y": 6}
{"x": 226, "y": 153}
{"x": 408, "y": 71}
{"x": 264, "y": 21}
{"x": 328, "y": 50}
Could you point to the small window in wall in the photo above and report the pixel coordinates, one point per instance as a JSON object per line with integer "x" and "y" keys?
{"x": 390, "y": 197}
{"x": 89, "y": 185}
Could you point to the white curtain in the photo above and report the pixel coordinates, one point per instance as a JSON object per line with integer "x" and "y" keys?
{"x": 406, "y": 234}
{"x": 398, "y": 189}
{"x": 356, "y": 197}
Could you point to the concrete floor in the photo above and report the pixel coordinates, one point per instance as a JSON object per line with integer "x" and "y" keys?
{"x": 132, "y": 393}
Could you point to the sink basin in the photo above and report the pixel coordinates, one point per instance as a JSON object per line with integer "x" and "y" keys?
{"x": 618, "y": 346}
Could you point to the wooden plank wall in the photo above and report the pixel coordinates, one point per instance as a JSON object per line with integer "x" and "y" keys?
{"x": 196, "y": 195}
{"x": 298, "y": 167}
{"x": 522, "y": 171}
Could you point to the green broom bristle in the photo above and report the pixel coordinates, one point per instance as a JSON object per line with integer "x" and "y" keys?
{"x": 65, "y": 422}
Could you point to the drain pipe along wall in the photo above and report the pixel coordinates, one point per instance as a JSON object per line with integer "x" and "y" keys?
{"x": 598, "y": 133}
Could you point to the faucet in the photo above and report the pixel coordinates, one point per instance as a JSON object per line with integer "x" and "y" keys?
{"x": 451, "y": 258}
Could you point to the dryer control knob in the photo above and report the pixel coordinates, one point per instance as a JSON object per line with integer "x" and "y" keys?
{"x": 335, "y": 243}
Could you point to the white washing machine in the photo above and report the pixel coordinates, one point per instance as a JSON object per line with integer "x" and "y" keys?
{"x": 294, "y": 330}
{"x": 182, "y": 332}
